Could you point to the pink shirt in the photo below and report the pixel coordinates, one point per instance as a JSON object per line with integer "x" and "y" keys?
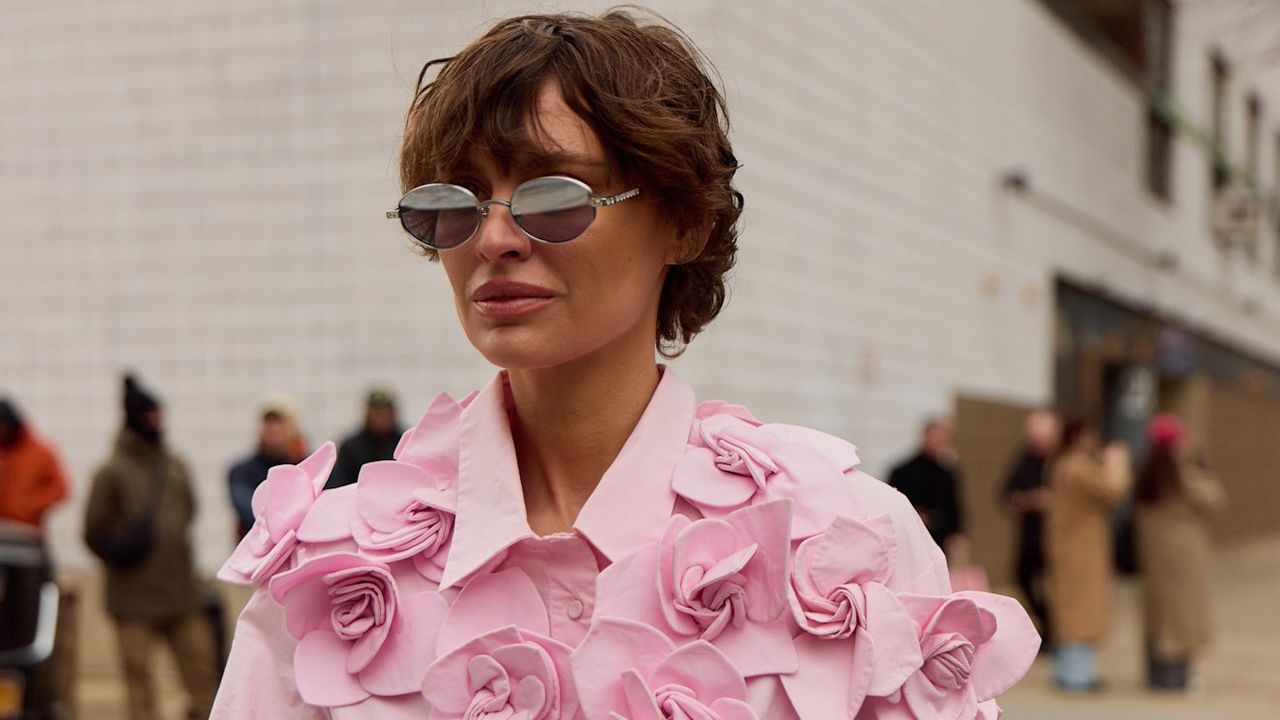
{"x": 723, "y": 568}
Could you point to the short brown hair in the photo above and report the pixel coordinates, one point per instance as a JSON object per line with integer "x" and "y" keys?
{"x": 644, "y": 88}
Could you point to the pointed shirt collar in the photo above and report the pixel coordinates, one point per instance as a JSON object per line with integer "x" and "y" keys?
{"x": 630, "y": 506}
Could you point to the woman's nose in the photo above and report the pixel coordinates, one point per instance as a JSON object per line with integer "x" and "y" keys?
{"x": 500, "y": 238}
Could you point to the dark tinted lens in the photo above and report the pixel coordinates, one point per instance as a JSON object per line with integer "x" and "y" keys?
{"x": 553, "y": 209}
{"x": 439, "y": 216}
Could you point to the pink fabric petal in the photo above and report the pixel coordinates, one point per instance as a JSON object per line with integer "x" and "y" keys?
{"x": 433, "y": 444}
{"x": 329, "y": 518}
{"x": 629, "y": 588}
{"x": 704, "y": 669}
{"x": 288, "y": 498}
{"x": 927, "y": 701}
{"x": 815, "y": 485}
{"x": 489, "y": 602}
{"x": 850, "y": 551}
{"x": 274, "y": 560}
{"x": 829, "y": 682}
{"x": 611, "y": 647}
{"x": 988, "y": 711}
{"x": 303, "y": 594}
{"x": 703, "y": 543}
{"x": 698, "y": 480}
{"x": 720, "y": 407}
{"x": 640, "y": 703}
{"x": 319, "y": 668}
{"x": 318, "y": 465}
{"x": 769, "y": 526}
{"x": 841, "y": 454}
{"x": 410, "y": 647}
{"x": 431, "y": 566}
{"x": 444, "y": 684}
{"x": 1005, "y": 657}
{"x": 386, "y": 489}
{"x": 759, "y": 648}
{"x": 897, "y": 644}
{"x": 560, "y": 657}
{"x": 731, "y": 709}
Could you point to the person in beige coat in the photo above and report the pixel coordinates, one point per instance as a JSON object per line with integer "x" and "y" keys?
{"x": 1175, "y": 499}
{"x": 1084, "y": 488}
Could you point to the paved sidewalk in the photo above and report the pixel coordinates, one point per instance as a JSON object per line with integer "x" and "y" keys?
{"x": 1238, "y": 674}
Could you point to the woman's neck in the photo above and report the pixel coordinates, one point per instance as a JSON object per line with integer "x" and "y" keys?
{"x": 570, "y": 423}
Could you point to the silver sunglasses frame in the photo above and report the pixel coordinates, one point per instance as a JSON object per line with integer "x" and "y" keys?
{"x": 483, "y": 208}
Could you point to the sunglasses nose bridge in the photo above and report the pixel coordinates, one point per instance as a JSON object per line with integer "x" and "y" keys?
{"x": 483, "y": 207}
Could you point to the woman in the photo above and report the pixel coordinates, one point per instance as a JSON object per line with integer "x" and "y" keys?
{"x": 1175, "y": 499}
{"x": 581, "y": 538}
{"x": 1084, "y": 488}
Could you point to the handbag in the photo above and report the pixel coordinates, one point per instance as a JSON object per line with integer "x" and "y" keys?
{"x": 128, "y": 546}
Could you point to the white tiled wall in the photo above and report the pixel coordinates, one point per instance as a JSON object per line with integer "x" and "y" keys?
{"x": 195, "y": 190}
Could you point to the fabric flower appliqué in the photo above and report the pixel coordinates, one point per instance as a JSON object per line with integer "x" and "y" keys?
{"x": 626, "y": 670}
{"x": 718, "y": 580}
{"x": 734, "y": 462}
{"x": 856, "y": 637}
{"x": 975, "y": 645}
{"x": 280, "y": 505}
{"x": 401, "y": 511}
{"x": 496, "y": 659}
{"x": 356, "y": 635}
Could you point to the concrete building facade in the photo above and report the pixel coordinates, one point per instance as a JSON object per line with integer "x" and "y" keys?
{"x": 196, "y": 191}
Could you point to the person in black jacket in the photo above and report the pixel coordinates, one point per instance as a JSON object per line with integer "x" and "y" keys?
{"x": 377, "y": 440}
{"x": 929, "y": 479}
{"x": 279, "y": 441}
{"x": 1026, "y": 495}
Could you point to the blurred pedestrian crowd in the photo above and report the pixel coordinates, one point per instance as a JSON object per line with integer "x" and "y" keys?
{"x": 137, "y": 522}
{"x": 1086, "y": 511}
{"x": 1083, "y": 509}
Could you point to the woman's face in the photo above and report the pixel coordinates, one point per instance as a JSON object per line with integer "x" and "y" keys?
{"x": 526, "y": 304}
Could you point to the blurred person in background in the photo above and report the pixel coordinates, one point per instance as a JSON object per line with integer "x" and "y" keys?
{"x": 280, "y": 441}
{"x": 930, "y": 480}
{"x": 1027, "y": 496}
{"x": 31, "y": 478}
{"x": 137, "y": 521}
{"x": 1085, "y": 484}
{"x": 376, "y": 439}
{"x": 1174, "y": 499}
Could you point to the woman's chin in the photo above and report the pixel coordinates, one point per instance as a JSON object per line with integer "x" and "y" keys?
{"x": 523, "y": 348}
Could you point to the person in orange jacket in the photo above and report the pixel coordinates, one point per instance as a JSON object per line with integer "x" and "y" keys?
{"x": 31, "y": 478}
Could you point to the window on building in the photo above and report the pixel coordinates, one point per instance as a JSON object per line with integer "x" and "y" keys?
{"x": 1134, "y": 35}
{"x": 1221, "y": 76}
{"x": 1252, "y": 150}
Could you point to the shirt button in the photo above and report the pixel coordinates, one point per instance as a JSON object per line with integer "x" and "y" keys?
{"x": 574, "y": 611}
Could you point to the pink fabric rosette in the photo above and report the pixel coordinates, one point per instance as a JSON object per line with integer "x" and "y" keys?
{"x": 496, "y": 658}
{"x": 401, "y": 511}
{"x": 402, "y": 508}
{"x": 856, "y": 637}
{"x": 718, "y": 580}
{"x": 356, "y": 635}
{"x": 280, "y": 505}
{"x": 734, "y": 462}
{"x": 976, "y": 645}
{"x": 626, "y": 670}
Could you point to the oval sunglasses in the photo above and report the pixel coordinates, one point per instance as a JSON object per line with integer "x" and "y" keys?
{"x": 550, "y": 209}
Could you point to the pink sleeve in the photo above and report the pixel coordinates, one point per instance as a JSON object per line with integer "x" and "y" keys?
{"x": 919, "y": 565}
{"x": 258, "y": 682}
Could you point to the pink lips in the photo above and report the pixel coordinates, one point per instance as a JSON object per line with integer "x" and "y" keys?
{"x": 510, "y": 300}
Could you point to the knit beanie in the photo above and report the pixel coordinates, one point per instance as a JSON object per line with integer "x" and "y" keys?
{"x": 137, "y": 403}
